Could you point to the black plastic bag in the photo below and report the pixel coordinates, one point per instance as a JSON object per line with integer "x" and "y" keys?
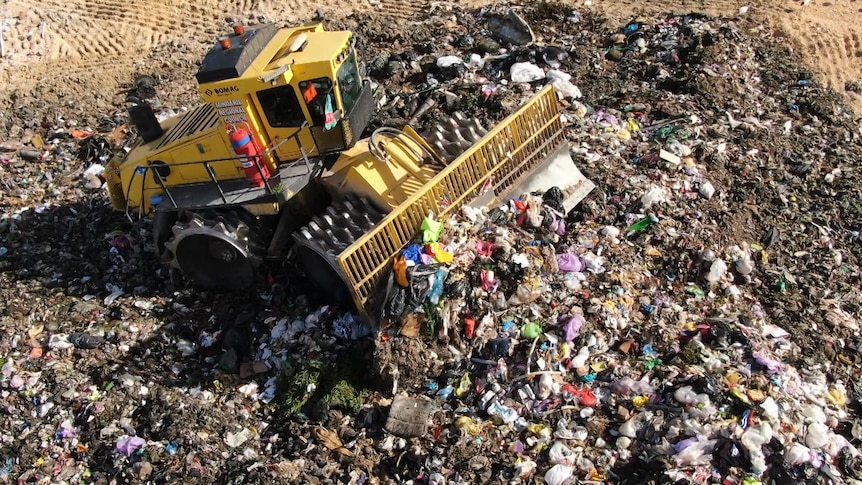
{"x": 396, "y": 302}
{"x": 420, "y": 282}
{"x": 553, "y": 198}
{"x": 498, "y": 216}
{"x": 402, "y": 301}
{"x": 456, "y": 289}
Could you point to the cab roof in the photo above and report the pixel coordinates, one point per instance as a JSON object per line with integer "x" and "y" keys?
{"x": 266, "y": 47}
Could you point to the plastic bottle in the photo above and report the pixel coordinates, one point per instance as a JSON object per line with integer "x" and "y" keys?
{"x": 437, "y": 288}
{"x": 641, "y": 224}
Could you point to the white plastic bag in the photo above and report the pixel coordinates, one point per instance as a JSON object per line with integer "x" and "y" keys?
{"x": 525, "y": 72}
{"x": 446, "y": 61}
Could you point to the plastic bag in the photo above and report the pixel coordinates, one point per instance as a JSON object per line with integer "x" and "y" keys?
{"x": 447, "y": 61}
{"x": 525, "y": 72}
{"x": 489, "y": 279}
{"x": 656, "y": 195}
{"x": 553, "y": 198}
{"x": 566, "y": 89}
{"x": 402, "y": 301}
{"x": 531, "y": 330}
{"x": 557, "y": 224}
{"x": 707, "y": 190}
{"x": 456, "y": 289}
{"x": 400, "y": 269}
{"x": 569, "y": 263}
{"x": 396, "y": 302}
{"x": 129, "y": 445}
{"x": 436, "y": 251}
{"x": 431, "y": 230}
{"x": 716, "y": 271}
{"x": 498, "y": 216}
{"x": 572, "y": 327}
{"x": 413, "y": 253}
{"x": 559, "y": 474}
{"x": 560, "y": 454}
{"x": 484, "y": 248}
{"x": 696, "y": 453}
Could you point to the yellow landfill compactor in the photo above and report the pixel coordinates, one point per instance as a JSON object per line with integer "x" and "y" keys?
{"x": 274, "y": 159}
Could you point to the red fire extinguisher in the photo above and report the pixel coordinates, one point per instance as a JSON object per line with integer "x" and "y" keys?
{"x": 249, "y": 156}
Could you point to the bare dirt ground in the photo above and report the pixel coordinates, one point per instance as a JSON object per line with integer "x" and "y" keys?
{"x": 59, "y": 47}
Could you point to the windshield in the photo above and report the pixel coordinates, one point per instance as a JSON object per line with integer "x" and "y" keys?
{"x": 348, "y": 82}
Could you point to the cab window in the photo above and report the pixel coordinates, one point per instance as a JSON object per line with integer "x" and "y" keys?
{"x": 348, "y": 82}
{"x": 281, "y": 106}
{"x": 314, "y": 93}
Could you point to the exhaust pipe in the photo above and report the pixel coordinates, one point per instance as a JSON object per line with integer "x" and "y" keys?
{"x": 144, "y": 119}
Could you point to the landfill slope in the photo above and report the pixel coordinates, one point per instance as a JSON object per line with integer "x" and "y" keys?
{"x": 58, "y": 44}
{"x": 694, "y": 320}
{"x": 828, "y": 35}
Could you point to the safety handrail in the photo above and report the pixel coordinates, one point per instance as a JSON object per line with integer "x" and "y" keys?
{"x": 142, "y": 170}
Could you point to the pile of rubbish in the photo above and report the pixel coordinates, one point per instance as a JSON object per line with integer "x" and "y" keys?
{"x": 694, "y": 320}
{"x": 566, "y": 350}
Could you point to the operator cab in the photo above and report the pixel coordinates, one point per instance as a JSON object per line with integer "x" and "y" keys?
{"x": 299, "y": 90}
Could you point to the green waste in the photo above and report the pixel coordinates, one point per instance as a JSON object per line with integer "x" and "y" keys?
{"x": 342, "y": 384}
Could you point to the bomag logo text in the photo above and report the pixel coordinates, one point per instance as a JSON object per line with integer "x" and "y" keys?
{"x": 229, "y": 89}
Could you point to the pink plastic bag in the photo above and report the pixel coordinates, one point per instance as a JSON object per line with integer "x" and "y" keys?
{"x": 484, "y": 248}
{"x": 569, "y": 263}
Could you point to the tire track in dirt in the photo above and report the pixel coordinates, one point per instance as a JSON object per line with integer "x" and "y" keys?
{"x": 404, "y": 11}
{"x": 622, "y": 10}
{"x": 55, "y": 41}
{"x": 51, "y": 41}
{"x": 830, "y": 38}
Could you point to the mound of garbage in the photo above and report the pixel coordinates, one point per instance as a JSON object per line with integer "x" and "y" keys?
{"x": 695, "y": 319}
